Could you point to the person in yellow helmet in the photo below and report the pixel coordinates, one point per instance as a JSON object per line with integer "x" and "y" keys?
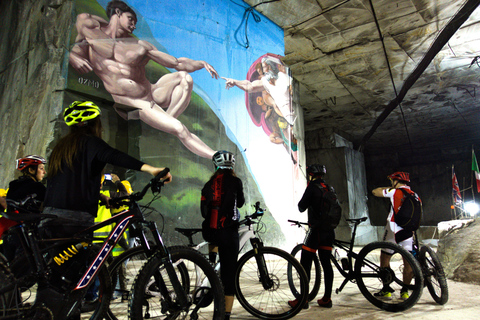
{"x": 121, "y": 188}
{"x": 111, "y": 187}
{"x": 3, "y": 206}
{"x": 3, "y": 202}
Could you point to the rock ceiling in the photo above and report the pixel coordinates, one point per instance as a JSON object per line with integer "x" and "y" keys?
{"x": 353, "y": 57}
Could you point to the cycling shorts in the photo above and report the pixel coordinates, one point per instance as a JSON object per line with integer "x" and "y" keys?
{"x": 395, "y": 234}
{"x": 319, "y": 240}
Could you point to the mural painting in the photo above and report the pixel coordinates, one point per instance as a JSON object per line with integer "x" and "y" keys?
{"x": 176, "y": 78}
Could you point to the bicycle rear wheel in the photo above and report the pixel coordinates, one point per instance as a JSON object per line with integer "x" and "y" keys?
{"x": 315, "y": 274}
{"x": 269, "y": 300}
{"x": 433, "y": 274}
{"x": 372, "y": 278}
{"x": 200, "y": 282}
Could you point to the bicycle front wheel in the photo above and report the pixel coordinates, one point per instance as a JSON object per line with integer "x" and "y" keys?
{"x": 197, "y": 278}
{"x": 433, "y": 274}
{"x": 403, "y": 272}
{"x": 267, "y": 298}
{"x": 123, "y": 271}
{"x": 315, "y": 273}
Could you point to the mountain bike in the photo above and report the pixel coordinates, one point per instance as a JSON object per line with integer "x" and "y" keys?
{"x": 433, "y": 273}
{"x": 262, "y": 284}
{"x": 363, "y": 268}
{"x": 163, "y": 288}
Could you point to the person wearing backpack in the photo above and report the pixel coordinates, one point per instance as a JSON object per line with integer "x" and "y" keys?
{"x": 324, "y": 213}
{"x": 398, "y": 193}
{"x": 222, "y": 195}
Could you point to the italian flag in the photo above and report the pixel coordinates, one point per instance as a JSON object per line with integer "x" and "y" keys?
{"x": 475, "y": 169}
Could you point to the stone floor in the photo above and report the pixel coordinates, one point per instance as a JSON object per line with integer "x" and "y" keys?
{"x": 463, "y": 304}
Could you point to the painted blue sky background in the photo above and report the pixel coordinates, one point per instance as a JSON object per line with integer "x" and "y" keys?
{"x": 214, "y": 31}
{"x": 209, "y": 30}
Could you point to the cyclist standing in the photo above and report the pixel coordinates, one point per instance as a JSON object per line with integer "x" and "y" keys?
{"x": 319, "y": 237}
{"x": 222, "y": 195}
{"x": 393, "y": 232}
{"x": 75, "y": 171}
{"x": 32, "y": 168}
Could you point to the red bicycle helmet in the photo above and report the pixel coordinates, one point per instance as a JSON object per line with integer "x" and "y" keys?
{"x": 28, "y": 161}
{"x": 401, "y": 176}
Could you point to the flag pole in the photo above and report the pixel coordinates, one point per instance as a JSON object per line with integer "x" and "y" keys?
{"x": 454, "y": 210}
{"x": 471, "y": 177}
{"x": 463, "y": 204}
{"x": 473, "y": 157}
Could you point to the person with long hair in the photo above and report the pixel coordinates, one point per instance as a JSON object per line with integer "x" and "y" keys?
{"x": 73, "y": 188}
{"x": 222, "y": 195}
{"x": 76, "y": 165}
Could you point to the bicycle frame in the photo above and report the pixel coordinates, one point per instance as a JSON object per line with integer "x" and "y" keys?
{"x": 132, "y": 217}
{"x": 245, "y": 231}
{"x": 348, "y": 247}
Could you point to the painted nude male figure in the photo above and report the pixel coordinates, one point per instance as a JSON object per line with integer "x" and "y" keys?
{"x": 119, "y": 59}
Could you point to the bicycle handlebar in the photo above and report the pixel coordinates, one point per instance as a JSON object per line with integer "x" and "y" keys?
{"x": 298, "y": 223}
{"x": 16, "y": 211}
{"x": 21, "y": 203}
{"x": 355, "y": 221}
{"x": 156, "y": 184}
{"x": 258, "y": 213}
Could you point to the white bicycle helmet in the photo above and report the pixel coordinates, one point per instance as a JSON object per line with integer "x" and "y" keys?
{"x": 31, "y": 160}
{"x": 223, "y": 160}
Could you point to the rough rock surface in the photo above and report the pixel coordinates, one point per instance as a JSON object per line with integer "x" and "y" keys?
{"x": 459, "y": 251}
{"x": 32, "y": 61}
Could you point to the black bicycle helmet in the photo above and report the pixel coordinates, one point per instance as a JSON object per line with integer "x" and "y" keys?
{"x": 316, "y": 170}
{"x": 223, "y": 160}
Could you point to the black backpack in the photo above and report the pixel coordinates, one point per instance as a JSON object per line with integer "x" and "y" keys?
{"x": 331, "y": 209}
{"x": 410, "y": 213}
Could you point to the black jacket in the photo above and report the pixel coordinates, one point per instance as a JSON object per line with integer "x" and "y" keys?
{"x": 221, "y": 196}
{"x": 25, "y": 186}
{"x": 312, "y": 200}
{"x": 78, "y": 188}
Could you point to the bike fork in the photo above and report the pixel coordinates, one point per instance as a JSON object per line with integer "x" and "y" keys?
{"x": 182, "y": 298}
{"x": 262, "y": 266}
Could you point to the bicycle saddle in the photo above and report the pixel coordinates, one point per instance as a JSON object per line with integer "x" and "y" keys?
{"x": 188, "y": 232}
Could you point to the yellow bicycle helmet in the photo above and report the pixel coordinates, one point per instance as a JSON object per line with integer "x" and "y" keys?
{"x": 79, "y": 112}
{"x": 128, "y": 186}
